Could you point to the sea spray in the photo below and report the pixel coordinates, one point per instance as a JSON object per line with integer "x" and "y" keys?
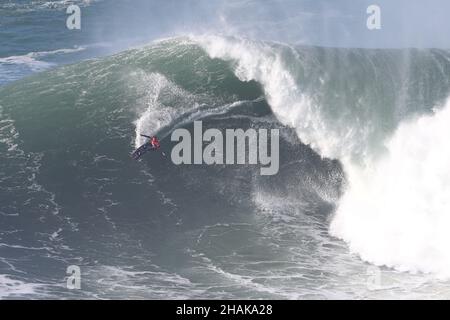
{"x": 396, "y": 211}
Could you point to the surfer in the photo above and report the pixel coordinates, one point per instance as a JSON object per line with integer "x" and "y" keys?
{"x": 154, "y": 142}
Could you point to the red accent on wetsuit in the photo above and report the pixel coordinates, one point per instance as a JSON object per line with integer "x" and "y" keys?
{"x": 155, "y": 143}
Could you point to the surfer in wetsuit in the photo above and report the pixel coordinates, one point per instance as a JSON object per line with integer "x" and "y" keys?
{"x": 154, "y": 142}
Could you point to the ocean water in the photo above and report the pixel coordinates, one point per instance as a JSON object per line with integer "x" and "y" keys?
{"x": 358, "y": 210}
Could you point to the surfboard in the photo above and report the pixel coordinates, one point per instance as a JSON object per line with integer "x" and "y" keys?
{"x": 141, "y": 150}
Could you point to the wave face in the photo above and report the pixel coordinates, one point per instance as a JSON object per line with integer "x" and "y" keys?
{"x": 351, "y": 120}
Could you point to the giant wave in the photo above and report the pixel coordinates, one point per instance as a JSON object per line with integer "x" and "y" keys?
{"x": 363, "y": 152}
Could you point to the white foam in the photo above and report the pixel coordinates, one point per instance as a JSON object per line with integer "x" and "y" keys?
{"x": 157, "y": 107}
{"x": 396, "y": 211}
{"x": 10, "y": 288}
{"x": 27, "y": 60}
{"x": 31, "y": 60}
{"x": 153, "y": 283}
{"x": 155, "y": 115}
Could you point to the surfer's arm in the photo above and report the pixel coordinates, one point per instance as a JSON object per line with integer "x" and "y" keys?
{"x": 143, "y": 135}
